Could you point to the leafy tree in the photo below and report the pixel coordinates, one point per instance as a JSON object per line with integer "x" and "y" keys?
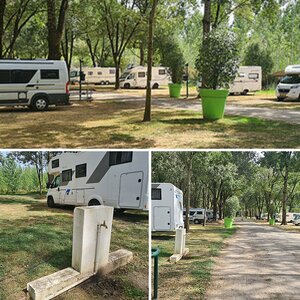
{"x": 11, "y": 174}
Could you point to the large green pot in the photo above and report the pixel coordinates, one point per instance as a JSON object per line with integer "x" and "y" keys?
{"x": 228, "y": 222}
{"x": 213, "y": 103}
{"x": 272, "y": 221}
{"x": 174, "y": 90}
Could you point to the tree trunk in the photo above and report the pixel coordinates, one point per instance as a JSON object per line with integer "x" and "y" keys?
{"x": 117, "y": 66}
{"x": 189, "y": 175}
{"x": 206, "y": 31}
{"x": 2, "y": 11}
{"x": 55, "y": 29}
{"x": 284, "y": 195}
{"x": 147, "y": 113}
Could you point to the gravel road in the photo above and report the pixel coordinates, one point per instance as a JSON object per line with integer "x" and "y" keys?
{"x": 260, "y": 262}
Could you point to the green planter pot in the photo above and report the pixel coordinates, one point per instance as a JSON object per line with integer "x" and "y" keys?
{"x": 174, "y": 90}
{"x": 213, "y": 103}
{"x": 228, "y": 222}
{"x": 272, "y": 221}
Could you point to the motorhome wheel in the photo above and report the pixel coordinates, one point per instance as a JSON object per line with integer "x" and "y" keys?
{"x": 40, "y": 103}
{"x": 127, "y": 85}
{"x": 50, "y": 202}
{"x": 196, "y": 221}
{"x": 244, "y": 92}
{"x": 102, "y": 82}
{"x": 155, "y": 86}
{"x": 107, "y": 82}
{"x": 94, "y": 202}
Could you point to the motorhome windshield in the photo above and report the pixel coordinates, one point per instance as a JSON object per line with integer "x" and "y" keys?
{"x": 124, "y": 75}
{"x": 291, "y": 79}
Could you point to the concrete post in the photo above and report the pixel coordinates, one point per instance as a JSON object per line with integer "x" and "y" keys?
{"x": 91, "y": 238}
{"x": 179, "y": 240}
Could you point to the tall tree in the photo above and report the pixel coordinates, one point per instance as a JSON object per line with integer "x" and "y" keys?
{"x": 56, "y": 25}
{"x": 2, "y": 12}
{"x": 147, "y": 113}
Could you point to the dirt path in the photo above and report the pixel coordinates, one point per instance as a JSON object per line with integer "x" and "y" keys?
{"x": 261, "y": 262}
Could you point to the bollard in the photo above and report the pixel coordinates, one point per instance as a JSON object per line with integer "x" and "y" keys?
{"x": 155, "y": 254}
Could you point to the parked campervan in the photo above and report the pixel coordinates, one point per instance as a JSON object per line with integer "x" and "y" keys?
{"x": 33, "y": 83}
{"x": 289, "y": 85}
{"x": 136, "y": 77}
{"x": 97, "y": 75}
{"x": 248, "y": 79}
{"x": 167, "y": 207}
{"x": 296, "y": 220}
{"x": 290, "y": 216}
{"x": 118, "y": 179}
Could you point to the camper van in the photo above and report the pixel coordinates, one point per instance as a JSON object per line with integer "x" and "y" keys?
{"x": 136, "y": 77}
{"x": 98, "y": 75}
{"x": 289, "y": 85}
{"x": 248, "y": 79}
{"x": 33, "y": 83}
{"x": 118, "y": 179}
{"x": 167, "y": 207}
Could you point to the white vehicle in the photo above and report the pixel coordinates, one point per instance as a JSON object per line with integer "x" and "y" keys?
{"x": 167, "y": 207}
{"x": 118, "y": 179}
{"x": 98, "y": 75}
{"x": 33, "y": 83}
{"x": 296, "y": 220}
{"x": 290, "y": 216}
{"x": 289, "y": 85}
{"x": 136, "y": 77}
{"x": 192, "y": 211}
{"x": 248, "y": 79}
{"x": 196, "y": 215}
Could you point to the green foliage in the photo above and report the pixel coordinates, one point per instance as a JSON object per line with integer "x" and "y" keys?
{"x": 255, "y": 56}
{"x": 10, "y": 174}
{"x": 231, "y": 207}
{"x": 172, "y": 57}
{"x": 218, "y": 59}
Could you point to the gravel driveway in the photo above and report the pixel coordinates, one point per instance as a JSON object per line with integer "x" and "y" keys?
{"x": 260, "y": 262}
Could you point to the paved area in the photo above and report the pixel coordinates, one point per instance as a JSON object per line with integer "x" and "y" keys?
{"x": 260, "y": 262}
{"x": 274, "y": 114}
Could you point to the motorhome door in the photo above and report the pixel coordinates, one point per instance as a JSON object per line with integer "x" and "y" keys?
{"x": 130, "y": 190}
{"x": 162, "y": 218}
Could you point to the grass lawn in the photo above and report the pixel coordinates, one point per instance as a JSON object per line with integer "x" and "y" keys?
{"x": 36, "y": 241}
{"x": 117, "y": 124}
{"x": 193, "y": 272}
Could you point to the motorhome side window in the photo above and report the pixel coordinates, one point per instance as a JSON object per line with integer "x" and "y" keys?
{"x": 16, "y": 76}
{"x": 141, "y": 74}
{"x": 253, "y": 76}
{"x": 116, "y": 158}
{"x": 90, "y": 73}
{"x": 55, "y": 163}
{"x": 49, "y": 74}
{"x": 112, "y": 71}
{"x": 162, "y": 72}
{"x": 99, "y": 73}
{"x": 66, "y": 175}
{"x": 156, "y": 194}
{"x": 4, "y": 76}
{"x": 80, "y": 171}
{"x": 242, "y": 75}
{"x": 56, "y": 182}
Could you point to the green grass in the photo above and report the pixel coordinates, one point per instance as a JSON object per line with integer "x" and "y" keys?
{"x": 36, "y": 241}
{"x": 192, "y": 273}
{"x": 266, "y": 92}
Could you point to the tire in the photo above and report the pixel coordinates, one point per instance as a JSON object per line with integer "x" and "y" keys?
{"x": 40, "y": 103}
{"x": 94, "y": 202}
{"x": 107, "y": 82}
{"x": 127, "y": 86}
{"x": 102, "y": 82}
{"x": 244, "y": 92}
{"x": 50, "y": 202}
{"x": 196, "y": 221}
{"x": 155, "y": 86}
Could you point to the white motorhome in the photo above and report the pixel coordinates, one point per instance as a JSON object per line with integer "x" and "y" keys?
{"x": 33, "y": 83}
{"x": 167, "y": 207}
{"x": 97, "y": 75}
{"x": 289, "y": 85}
{"x": 118, "y": 179}
{"x": 136, "y": 77}
{"x": 248, "y": 79}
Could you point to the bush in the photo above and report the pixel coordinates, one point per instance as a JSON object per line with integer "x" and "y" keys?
{"x": 217, "y": 62}
{"x": 232, "y": 205}
{"x": 172, "y": 57}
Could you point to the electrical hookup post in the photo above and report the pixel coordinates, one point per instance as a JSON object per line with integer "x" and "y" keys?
{"x": 180, "y": 249}
{"x": 186, "y": 77}
{"x": 92, "y": 228}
